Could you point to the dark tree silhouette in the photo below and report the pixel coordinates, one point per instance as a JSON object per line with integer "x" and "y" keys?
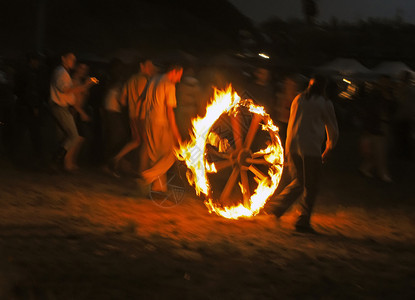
{"x": 310, "y": 11}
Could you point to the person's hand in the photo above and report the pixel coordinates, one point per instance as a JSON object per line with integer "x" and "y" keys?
{"x": 177, "y": 140}
{"x": 92, "y": 81}
{"x": 85, "y": 117}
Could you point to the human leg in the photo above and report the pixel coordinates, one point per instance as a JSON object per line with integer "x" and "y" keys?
{"x": 312, "y": 176}
{"x": 160, "y": 153}
{"x": 367, "y": 152}
{"x": 134, "y": 143}
{"x": 381, "y": 160}
{"x": 130, "y": 146}
{"x": 281, "y": 202}
{"x": 70, "y": 159}
{"x": 72, "y": 141}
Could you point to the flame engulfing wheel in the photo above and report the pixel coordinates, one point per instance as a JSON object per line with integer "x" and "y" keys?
{"x": 235, "y": 156}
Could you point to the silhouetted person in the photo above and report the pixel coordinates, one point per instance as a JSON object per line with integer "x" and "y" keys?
{"x": 377, "y": 111}
{"x": 404, "y": 116}
{"x": 285, "y": 97}
{"x": 7, "y": 107}
{"x": 261, "y": 89}
{"x": 115, "y": 119}
{"x": 83, "y": 112}
{"x": 188, "y": 97}
{"x": 31, "y": 91}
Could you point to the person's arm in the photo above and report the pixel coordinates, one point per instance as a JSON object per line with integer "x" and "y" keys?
{"x": 78, "y": 88}
{"x": 332, "y": 130}
{"x": 64, "y": 86}
{"x": 78, "y": 106}
{"x": 173, "y": 125}
{"x": 289, "y": 135}
{"x": 123, "y": 96}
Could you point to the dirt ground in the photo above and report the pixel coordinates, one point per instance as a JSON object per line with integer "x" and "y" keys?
{"x": 88, "y": 236}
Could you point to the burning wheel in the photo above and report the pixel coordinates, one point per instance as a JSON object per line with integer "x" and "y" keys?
{"x": 240, "y": 157}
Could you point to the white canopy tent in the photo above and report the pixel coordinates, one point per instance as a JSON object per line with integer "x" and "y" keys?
{"x": 392, "y": 68}
{"x": 345, "y": 67}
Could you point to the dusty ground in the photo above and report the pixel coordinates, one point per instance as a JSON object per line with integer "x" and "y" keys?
{"x": 87, "y": 236}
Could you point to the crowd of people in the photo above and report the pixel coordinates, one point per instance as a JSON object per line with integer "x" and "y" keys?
{"x": 388, "y": 115}
{"x": 128, "y": 120}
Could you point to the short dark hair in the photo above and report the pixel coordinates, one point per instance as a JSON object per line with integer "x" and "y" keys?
{"x": 66, "y": 53}
{"x": 318, "y": 87}
{"x": 144, "y": 59}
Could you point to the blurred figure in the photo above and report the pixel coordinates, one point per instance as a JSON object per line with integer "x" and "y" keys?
{"x": 261, "y": 89}
{"x": 377, "y": 110}
{"x": 404, "y": 116}
{"x": 7, "y": 107}
{"x": 62, "y": 96}
{"x": 115, "y": 120}
{"x": 161, "y": 132}
{"x": 80, "y": 77}
{"x": 188, "y": 97}
{"x": 282, "y": 109}
{"x": 83, "y": 112}
{"x": 132, "y": 95}
{"x": 312, "y": 120}
{"x": 31, "y": 91}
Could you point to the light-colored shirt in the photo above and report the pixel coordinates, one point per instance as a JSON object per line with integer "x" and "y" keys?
{"x": 112, "y": 99}
{"x": 161, "y": 93}
{"x": 132, "y": 90}
{"x": 311, "y": 121}
{"x": 61, "y": 80}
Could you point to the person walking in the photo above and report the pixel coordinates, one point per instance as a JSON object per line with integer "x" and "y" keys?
{"x": 312, "y": 121}
{"x": 161, "y": 131}
{"x": 132, "y": 96}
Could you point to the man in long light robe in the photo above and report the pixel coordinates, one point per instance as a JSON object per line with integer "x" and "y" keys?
{"x": 161, "y": 132}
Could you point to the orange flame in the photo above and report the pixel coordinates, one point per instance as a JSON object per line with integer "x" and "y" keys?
{"x": 193, "y": 154}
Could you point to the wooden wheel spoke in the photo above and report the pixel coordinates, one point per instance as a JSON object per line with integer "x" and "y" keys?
{"x": 223, "y": 164}
{"x": 237, "y": 131}
{"x": 229, "y": 184}
{"x": 252, "y": 130}
{"x": 212, "y": 151}
{"x": 257, "y": 161}
{"x": 256, "y": 155}
{"x": 257, "y": 172}
{"x": 245, "y": 184}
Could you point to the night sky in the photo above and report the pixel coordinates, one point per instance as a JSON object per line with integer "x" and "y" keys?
{"x": 344, "y": 10}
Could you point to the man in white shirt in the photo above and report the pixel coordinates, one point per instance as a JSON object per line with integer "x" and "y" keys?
{"x": 312, "y": 121}
{"x": 62, "y": 96}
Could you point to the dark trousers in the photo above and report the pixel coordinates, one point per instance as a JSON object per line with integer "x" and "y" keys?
{"x": 403, "y": 142}
{"x": 306, "y": 174}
